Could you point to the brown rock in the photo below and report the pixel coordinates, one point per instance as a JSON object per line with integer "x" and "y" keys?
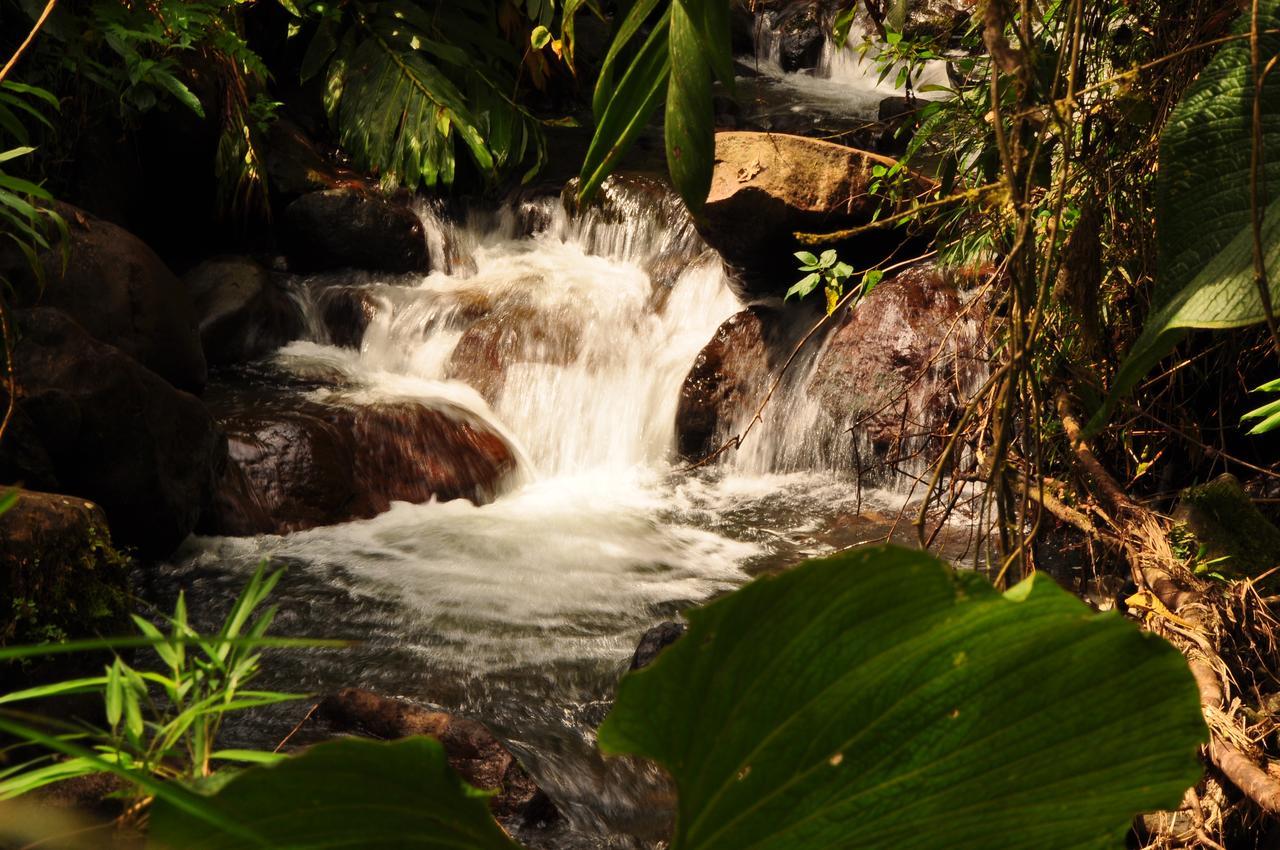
{"x": 511, "y": 334}
{"x": 119, "y": 291}
{"x": 902, "y": 361}
{"x": 729, "y": 378}
{"x": 470, "y": 747}
{"x": 346, "y": 312}
{"x": 106, "y": 429}
{"x": 767, "y": 186}
{"x": 301, "y": 464}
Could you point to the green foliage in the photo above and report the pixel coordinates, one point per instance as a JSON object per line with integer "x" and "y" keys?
{"x": 163, "y": 722}
{"x": 25, "y": 219}
{"x": 348, "y": 793}
{"x": 890, "y": 702}
{"x": 407, "y": 83}
{"x": 827, "y": 270}
{"x": 1269, "y": 413}
{"x": 687, "y": 46}
{"x": 878, "y": 699}
{"x": 1204, "y": 208}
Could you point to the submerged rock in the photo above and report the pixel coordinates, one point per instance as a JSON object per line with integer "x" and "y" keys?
{"x": 765, "y": 187}
{"x": 472, "y": 750}
{"x": 96, "y": 424}
{"x": 346, "y": 312}
{"x": 243, "y": 312}
{"x": 903, "y": 361}
{"x": 654, "y": 641}
{"x": 512, "y": 334}
{"x": 299, "y": 464}
{"x": 60, "y": 577}
{"x": 120, "y": 292}
{"x": 347, "y": 228}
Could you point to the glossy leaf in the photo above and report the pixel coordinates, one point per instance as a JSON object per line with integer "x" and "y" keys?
{"x": 877, "y": 699}
{"x": 349, "y": 793}
{"x": 690, "y": 129}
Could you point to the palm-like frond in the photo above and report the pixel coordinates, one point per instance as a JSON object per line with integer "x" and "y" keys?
{"x": 25, "y": 217}
{"x": 408, "y": 84}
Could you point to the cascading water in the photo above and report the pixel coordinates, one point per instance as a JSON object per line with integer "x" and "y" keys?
{"x": 524, "y": 612}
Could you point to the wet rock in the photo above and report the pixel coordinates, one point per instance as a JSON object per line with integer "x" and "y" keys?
{"x": 766, "y": 187}
{"x": 347, "y": 312}
{"x": 899, "y": 116}
{"x": 728, "y": 379}
{"x": 510, "y": 335}
{"x": 243, "y": 312}
{"x": 60, "y": 577}
{"x": 654, "y": 641}
{"x": 111, "y": 431}
{"x": 304, "y": 464}
{"x": 939, "y": 21}
{"x": 119, "y": 291}
{"x": 903, "y": 361}
{"x": 472, "y": 750}
{"x": 346, "y": 228}
{"x": 801, "y": 37}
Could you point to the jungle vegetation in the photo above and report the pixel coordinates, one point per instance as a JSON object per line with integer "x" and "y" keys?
{"x": 1105, "y": 168}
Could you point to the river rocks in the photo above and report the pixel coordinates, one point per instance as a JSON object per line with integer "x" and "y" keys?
{"x": 801, "y": 36}
{"x": 347, "y": 228}
{"x": 296, "y": 165}
{"x": 654, "y": 641}
{"x": 472, "y": 750}
{"x": 903, "y": 362}
{"x": 510, "y": 335}
{"x": 346, "y": 312}
{"x": 96, "y": 424}
{"x": 766, "y": 187}
{"x": 60, "y": 577}
{"x": 119, "y": 291}
{"x": 243, "y": 313}
{"x": 301, "y": 464}
{"x": 730, "y": 375}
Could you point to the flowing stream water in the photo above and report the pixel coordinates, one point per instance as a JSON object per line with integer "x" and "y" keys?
{"x": 524, "y": 613}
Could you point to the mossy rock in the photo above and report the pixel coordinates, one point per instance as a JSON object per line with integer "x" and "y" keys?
{"x": 60, "y": 577}
{"x": 1226, "y": 524}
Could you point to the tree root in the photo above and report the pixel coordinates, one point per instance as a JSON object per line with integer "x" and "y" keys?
{"x": 1182, "y": 609}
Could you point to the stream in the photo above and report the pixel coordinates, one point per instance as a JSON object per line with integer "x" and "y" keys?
{"x": 524, "y": 613}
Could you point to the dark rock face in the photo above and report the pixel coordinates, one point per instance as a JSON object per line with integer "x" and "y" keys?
{"x": 296, "y": 165}
{"x": 766, "y": 187}
{"x": 98, "y": 425}
{"x": 59, "y": 575}
{"x": 801, "y": 36}
{"x": 903, "y": 360}
{"x": 1225, "y": 521}
{"x": 730, "y": 376}
{"x": 346, "y": 228}
{"x": 654, "y": 641}
{"x": 298, "y": 464}
{"x": 471, "y": 749}
{"x": 122, "y": 293}
{"x": 243, "y": 312}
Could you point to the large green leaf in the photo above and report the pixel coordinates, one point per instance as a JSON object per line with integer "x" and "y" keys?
{"x": 690, "y": 130}
{"x": 879, "y": 699}
{"x": 1204, "y": 208}
{"x": 349, "y": 793}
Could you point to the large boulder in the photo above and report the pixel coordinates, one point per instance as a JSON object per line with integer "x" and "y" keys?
{"x": 903, "y": 362}
{"x": 298, "y": 464}
{"x": 472, "y": 750}
{"x": 801, "y": 36}
{"x": 766, "y": 186}
{"x": 60, "y": 577}
{"x": 348, "y": 228}
{"x": 119, "y": 291}
{"x": 243, "y": 311}
{"x": 654, "y": 641}
{"x": 728, "y": 380}
{"x": 96, "y": 424}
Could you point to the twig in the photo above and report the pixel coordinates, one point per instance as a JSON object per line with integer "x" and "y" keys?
{"x": 22, "y": 48}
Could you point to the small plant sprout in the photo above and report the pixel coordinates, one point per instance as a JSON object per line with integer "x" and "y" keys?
{"x": 833, "y": 275}
{"x": 1269, "y": 413}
